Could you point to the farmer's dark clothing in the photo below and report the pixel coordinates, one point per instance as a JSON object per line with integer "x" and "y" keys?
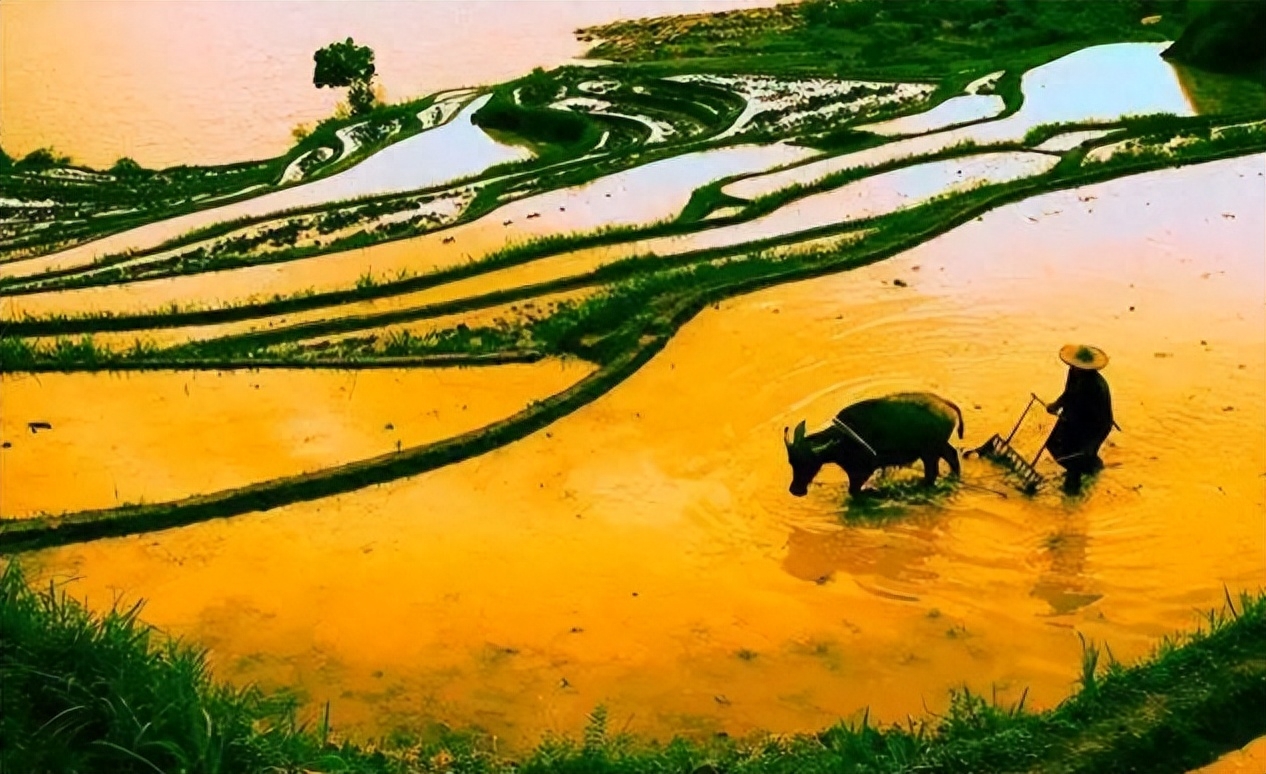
{"x": 1085, "y": 420}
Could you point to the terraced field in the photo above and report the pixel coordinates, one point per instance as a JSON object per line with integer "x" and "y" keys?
{"x": 436, "y": 353}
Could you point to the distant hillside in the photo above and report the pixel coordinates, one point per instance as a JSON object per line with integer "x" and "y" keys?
{"x": 1229, "y": 36}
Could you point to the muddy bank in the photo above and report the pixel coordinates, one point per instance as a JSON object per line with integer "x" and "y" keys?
{"x": 643, "y": 552}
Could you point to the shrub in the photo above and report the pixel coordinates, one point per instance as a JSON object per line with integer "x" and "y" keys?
{"x": 540, "y": 125}
{"x": 43, "y": 158}
{"x": 126, "y": 168}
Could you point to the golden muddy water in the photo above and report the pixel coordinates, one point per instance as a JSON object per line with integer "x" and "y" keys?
{"x": 160, "y": 435}
{"x": 1249, "y": 760}
{"x": 644, "y": 553}
{"x": 641, "y": 195}
{"x": 218, "y": 81}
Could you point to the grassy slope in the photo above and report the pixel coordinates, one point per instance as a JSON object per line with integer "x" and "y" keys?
{"x": 896, "y": 38}
{"x": 88, "y": 693}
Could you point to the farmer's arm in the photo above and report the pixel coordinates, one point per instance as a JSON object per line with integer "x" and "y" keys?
{"x": 1056, "y": 405}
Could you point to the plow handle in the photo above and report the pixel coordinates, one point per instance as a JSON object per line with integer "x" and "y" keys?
{"x": 1032, "y": 397}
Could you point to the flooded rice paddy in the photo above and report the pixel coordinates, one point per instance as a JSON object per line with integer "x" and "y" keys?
{"x": 152, "y": 436}
{"x": 643, "y": 553}
{"x": 642, "y": 195}
{"x": 1071, "y": 88}
{"x": 869, "y": 197}
{"x": 125, "y": 83}
{"x": 456, "y": 150}
{"x": 956, "y": 110}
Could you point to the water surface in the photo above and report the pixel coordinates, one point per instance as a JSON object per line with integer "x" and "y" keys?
{"x": 643, "y": 553}
{"x": 641, "y": 195}
{"x": 219, "y": 81}
{"x": 1099, "y": 83}
{"x": 456, "y": 150}
{"x": 955, "y": 110}
{"x": 160, "y": 435}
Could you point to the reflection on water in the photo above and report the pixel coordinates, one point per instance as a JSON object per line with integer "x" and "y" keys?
{"x": 879, "y": 195}
{"x": 1100, "y": 83}
{"x": 955, "y": 110}
{"x": 864, "y": 198}
{"x": 635, "y": 548}
{"x": 1064, "y": 583}
{"x": 895, "y": 554}
{"x": 455, "y": 150}
{"x": 218, "y": 81}
{"x": 641, "y": 195}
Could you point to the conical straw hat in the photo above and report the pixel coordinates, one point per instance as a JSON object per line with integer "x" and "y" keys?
{"x": 1083, "y": 356}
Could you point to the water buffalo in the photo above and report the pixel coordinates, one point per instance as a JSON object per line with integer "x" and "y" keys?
{"x": 883, "y": 432}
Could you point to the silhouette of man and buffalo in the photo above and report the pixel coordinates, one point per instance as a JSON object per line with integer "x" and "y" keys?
{"x": 903, "y": 428}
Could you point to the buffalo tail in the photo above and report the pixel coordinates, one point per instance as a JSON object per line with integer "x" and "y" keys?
{"x": 960, "y": 417}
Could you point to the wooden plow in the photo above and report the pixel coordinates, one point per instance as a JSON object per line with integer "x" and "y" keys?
{"x": 1000, "y": 451}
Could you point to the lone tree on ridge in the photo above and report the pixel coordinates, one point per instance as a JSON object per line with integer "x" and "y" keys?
{"x": 346, "y": 64}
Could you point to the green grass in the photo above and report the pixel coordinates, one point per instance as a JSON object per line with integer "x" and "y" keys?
{"x": 17, "y": 354}
{"x": 88, "y": 692}
{"x": 902, "y": 38}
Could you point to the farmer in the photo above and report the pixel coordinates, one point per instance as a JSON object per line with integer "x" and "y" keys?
{"x": 1085, "y": 414}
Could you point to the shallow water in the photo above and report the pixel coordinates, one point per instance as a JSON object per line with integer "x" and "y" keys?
{"x": 641, "y": 195}
{"x": 125, "y": 82}
{"x": 876, "y": 195}
{"x": 864, "y": 198}
{"x": 456, "y": 150}
{"x": 955, "y": 110}
{"x": 161, "y": 435}
{"x": 643, "y": 553}
{"x": 1251, "y": 759}
{"x": 1075, "y": 87}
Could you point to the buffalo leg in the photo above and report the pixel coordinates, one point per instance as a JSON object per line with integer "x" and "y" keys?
{"x": 856, "y": 478}
{"x": 930, "y": 471}
{"x": 950, "y": 455}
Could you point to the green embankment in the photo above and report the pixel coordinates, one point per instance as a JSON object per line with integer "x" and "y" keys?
{"x": 85, "y": 692}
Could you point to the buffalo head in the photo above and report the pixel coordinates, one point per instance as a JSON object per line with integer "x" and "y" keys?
{"x": 804, "y": 459}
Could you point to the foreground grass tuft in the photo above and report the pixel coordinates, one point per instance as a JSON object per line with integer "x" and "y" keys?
{"x": 82, "y": 692}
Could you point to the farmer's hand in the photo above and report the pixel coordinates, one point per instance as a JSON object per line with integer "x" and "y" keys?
{"x": 1052, "y": 410}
